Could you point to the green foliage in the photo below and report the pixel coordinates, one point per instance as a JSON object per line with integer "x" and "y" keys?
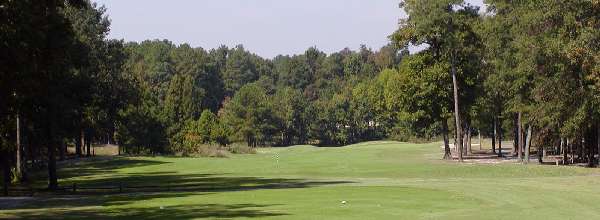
{"x": 250, "y": 115}
{"x": 536, "y": 58}
{"x": 239, "y": 70}
{"x": 206, "y": 123}
{"x": 291, "y": 112}
{"x": 221, "y": 134}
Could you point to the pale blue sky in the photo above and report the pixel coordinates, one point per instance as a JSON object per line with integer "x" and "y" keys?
{"x": 265, "y": 27}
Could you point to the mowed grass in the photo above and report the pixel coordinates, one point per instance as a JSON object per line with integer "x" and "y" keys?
{"x": 378, "y": 180}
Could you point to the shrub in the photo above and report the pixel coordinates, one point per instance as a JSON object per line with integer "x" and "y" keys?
{"x": 241, "y": 149}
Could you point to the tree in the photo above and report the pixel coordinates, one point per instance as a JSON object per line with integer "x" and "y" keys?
{"x": 221, "y": 134}
{"x": 250, "y": 116}
{"x": 292, "y": 113}
{"x": 206, "y": 123}
{"x": 426, "y": 98}
{"x": 239, "y": 70}
{"x": 446, "y": 27}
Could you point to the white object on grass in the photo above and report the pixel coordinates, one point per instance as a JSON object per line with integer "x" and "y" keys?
{"x": 343, "y": 202}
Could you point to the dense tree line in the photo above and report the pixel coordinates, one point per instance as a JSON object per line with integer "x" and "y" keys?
{"x": 524, "y": 70}
{"x": 189, "y": 93}
{"x": 60, "y": 82}
{"x": 64, "y": 83}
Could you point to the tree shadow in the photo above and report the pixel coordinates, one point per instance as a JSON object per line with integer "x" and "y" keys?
{"x": 103, "y": 166}
{"x": 89, "y": 167}
{"x": 124, "y": 189}
{"x": 171, "y": 181}
{"x": 167, "y": 212}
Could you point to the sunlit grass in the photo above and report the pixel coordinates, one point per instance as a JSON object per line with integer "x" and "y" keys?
{"x": 378, "y": 180}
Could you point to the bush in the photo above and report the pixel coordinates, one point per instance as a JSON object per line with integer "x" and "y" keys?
{"x": 220, "y": 134}
{"x": 241, "y": 149}
{"x": 210, "y": 151}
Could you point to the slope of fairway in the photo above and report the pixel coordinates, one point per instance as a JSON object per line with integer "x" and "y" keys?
{"x": 377, "y": 180}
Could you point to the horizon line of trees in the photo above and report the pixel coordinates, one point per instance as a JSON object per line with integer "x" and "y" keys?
{"x": 63, "y": 83}
{"x": 523, "y": 70}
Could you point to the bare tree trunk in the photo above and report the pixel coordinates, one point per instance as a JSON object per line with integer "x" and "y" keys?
{"x": 18, "y": 165}
{"x": 494, "y": 137}
{"x": 479, "y": 136}
{"x": 541, "y": 154}
{"x": 516, "y": 135}
{"x": 499, "y": 128}
{"x": 469, "y": 146}
{"x": 572, "y": 150}
{"x": 590, "y": 154}
{"x": 520, "y": 136}
{"x": 88, "y": 144}
{"x": 447, "y": 153}
{"x": 563, "y": 147}
{"x": 52, "y": 177}
{"x": 559, "y": 148}
{"x": 5, "y": 174}
{"x": 81, "y": 143}
{"x": 581, "y": 149}
{"x": 598, "y": 143}
{"x": 528, "y": 144}
{"x": 465, "y": 140}
{"x": 62, "y": 149}
{"x": 457, "y": 112}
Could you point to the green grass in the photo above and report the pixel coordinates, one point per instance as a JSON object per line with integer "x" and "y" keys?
{"x": 379, "y": 180}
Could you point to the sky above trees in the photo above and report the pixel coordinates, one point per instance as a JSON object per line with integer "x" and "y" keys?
{"x": 266, "y": 27}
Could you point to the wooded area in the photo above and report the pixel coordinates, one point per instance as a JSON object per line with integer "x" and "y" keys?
{"x": 524, "y": 70}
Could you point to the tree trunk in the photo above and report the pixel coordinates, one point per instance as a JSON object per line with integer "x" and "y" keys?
{"x": 6, "y": 175}
{"x": 528, "y": 144}
{"x": 81, "y": 144}
{"x": 465, "y": 140}
{"x": 457, "y": 112}
{"x": 520, "y": 136}
{"x": 516, "y": 136}
{"x": 447, "y": 153}
{"x": 499, "y": 140}
{"x": 494, "y": 140}
{"x": 598, "y": 143}
{"x": 88, "y": 144}
{"x": 62, "y": 149}
{"x": 590, "y": 154}
{"x": 571, "y": 150}
{"x": 559, "y": 150}
{"x": 541, "y": 154}
{"x": 469, "y": 146}
{"x": 563, "y": 147}
{"x": 77, "y": 146}
{"x": 18, "y": 166}
{"x": 581, "y": 156}
{"x": 479, "y": 137}
{"x": 52, "y": 177}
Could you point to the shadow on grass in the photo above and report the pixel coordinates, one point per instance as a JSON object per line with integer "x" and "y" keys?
{"x": 103, "y": 165}
{"x": 82, "y": 167}
{"x": 167, "y": 212}
{"x": 137, "y": 187}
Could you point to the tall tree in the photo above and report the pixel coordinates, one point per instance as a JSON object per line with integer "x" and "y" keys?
{"x": 447, "y": 28}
